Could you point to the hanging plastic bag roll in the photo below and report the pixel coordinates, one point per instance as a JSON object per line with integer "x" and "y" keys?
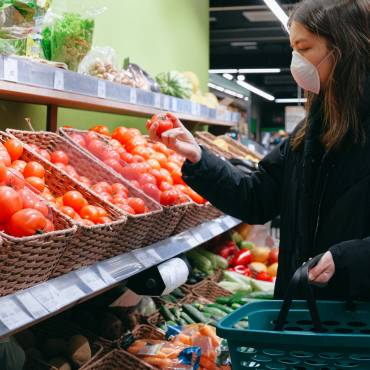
{"x": 174, "y": 273}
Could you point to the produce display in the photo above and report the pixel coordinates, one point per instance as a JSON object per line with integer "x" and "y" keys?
{"x": 151, "y": 167}
{"x": 175, "y": 84}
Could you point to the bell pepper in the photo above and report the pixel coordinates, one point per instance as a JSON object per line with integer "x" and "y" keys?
{"x": 227, "y": 250}
{"x": 242, "y": 257}
{"x": 240, "y": 269}
{"x": 264, "y": 276}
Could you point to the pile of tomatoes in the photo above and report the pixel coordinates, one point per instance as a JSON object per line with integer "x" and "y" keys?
{"x": 22, "y": 212}
{"x": 115, "y": 193}
{"x": 151, "y": 167}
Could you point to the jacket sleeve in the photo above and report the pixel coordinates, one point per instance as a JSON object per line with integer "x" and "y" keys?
{"x": 254, "y": 198}
{"x": 352, "y": 258}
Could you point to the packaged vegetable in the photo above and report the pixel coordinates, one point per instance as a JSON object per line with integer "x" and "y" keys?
{"x": 166, "y": 355}
{"x": 175, "y": 84}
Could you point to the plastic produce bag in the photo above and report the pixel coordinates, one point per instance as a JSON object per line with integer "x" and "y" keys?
{"x": 166, "y": 355}
{"x": 68, "y": 36}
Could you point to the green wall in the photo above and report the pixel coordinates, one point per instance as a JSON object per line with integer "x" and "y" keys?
{"x": 159, "y": 35}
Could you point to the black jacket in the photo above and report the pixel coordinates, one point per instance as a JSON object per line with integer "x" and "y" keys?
{"x": 323, "y": 200}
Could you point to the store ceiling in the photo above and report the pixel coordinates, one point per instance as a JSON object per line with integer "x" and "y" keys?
{"x": 246, "y": 34}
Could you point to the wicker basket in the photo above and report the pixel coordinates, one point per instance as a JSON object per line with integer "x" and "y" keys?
{"x": 119, "y": 360}
{"x": 210, "y": 290}
{"x": 137, "y": 226}
{"x": 240, "y": 147}
{"x": 64, "y": 330}
{"x": 90, "y": 243}
{"x": 217, "y": 276}
{"x": 170, "y": 217}
{"x": 214, "y": 148}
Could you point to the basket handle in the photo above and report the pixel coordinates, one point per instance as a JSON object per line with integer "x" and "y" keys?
{"x": 300, "y": 278}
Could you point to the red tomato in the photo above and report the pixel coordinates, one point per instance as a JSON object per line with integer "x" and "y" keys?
{"x": 169, "y": 197}
{"x": 96, "y": 147}
{"x": 117, "y": 188}
{"x": 14, "y": 179}
{"x": 19, "y": 165}
{"x": 127, "y": 157}
{"x": 177, "y": 177}
{"x": 158, "y": 175}
{"x": 36, "y": 183}
{"x": 85, "y": 181}
{"x": 152, "y": 190}
{"x": 104, "y": 220}
{"x": 69, "y": 211}
{"x": 161, "y": 158}
{"x": 183, "y": 199}
{"x": 78, "y": 139}
{"x": 14, "y": 148}
{"x": 49, "y": 227}
{"x": 3, "y": 173}
{"x": 34, "y": 147}
{"x": 45, "y": 154}
{"x": 138, "y": 159}
{"x": 109, "y": 153}
{"x": 130, "y": 173}
{"x": 75, "y": 200}
{"x": 119, "y": 133}
{"x": 71, "y": 171}
{"x": 134, "y": 142}
{"x": 101, "y": 211}
{"x": 61, "y": 166}
{"x": 59, "y": 156}
{"x": 26, "y": 222}
{"x": 10, "y": 202}
{"x": 49, "y": 197}
{"x": 128, "y": 209}
{"x": 135, "y": 184}
{"x": 137, "y": 205}
{"x": 165, "y": 186}
{"x": 59, "y": 201}
{"x": 153, "y": 163}
{"x": 113, "y": 163}
{"x": 171, "y": 166}
{"x": 119, "y": 200}
{"x": 100, "y": 129}
{"x": 161, "y": 148}
{"x": 163, "y": 126}
{"x": 141, "y": 151}
{"x": 147, "y": 178}
{"x": 89, "y": 213}
{"x": 195, "y": 197}
{"x": 115, "y": 144}
{"x": 34, "y": 169}
{"x": 106, "y": 197}
{"x": 90, "y": 136}
{"x": 105, "y": 186}
{"x": 4, "y": 155}
{"x": 30, "y": 200}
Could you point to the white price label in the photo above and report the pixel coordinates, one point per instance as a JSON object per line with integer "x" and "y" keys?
{"x": 32, "y": 306}
{"x": 229, "y": 221}
{"x": 11, "y": 69}
{"x": 105, "y": 275}
{"x": 195, "y": 109}
{"x": 174, "y": 104}
{"x": 91, "y": 279}
{"x": 102, "y": 89}
{"x": 148, "y": 257}
{"x": 157, "y": 100}
{"x": 48, "y": 296}
{"x": 192, "y": 241}
{"x": 197, "y": 237}
{"x": 12, "y": 315}
{"x": 133, "y": 96}
{"x": 166, "y": 102}
{"x": 216, "y": 228}
{"x": 71, "y": 294}
{"x": 59, "y": 80}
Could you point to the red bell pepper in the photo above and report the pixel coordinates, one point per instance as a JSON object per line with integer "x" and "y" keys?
{"x": 243, "y": 270}
{"x": 243, "y": 257}
{"x": 227, "y": 250}
{"x": 264, "y": 276}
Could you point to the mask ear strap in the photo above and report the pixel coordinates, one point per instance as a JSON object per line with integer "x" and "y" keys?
{"x": 332, "y": 52}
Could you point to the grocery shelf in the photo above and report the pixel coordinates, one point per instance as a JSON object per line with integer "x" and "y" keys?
{"x": 36, "y": 83}
{"x": 30, "y": 306}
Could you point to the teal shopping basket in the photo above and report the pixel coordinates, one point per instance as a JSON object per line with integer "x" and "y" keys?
{"x": 299, "y": 335}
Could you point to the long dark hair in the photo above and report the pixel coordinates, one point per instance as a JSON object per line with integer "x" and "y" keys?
{"x": 345, "y": 26}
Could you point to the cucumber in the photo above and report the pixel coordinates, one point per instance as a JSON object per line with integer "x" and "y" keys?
{"x": 217, "y": 261}
{"x": 167, "y": 314}
{"x": 178, "y": 293}
{"x": 181, "y": 322}
{"x": 175, "y": 312}
{"x": 199, "y": 261}
{"x": 187, "y": 318}
{"x": 221, "y": 307}
{"x": 172, "y": 323}
{"x": 235, "y": 306}
{"x": 223, "y": 300}
{"x": 196, "y": 315}
{"x": 261, "y": 295}
{"x": 215, "y": 312}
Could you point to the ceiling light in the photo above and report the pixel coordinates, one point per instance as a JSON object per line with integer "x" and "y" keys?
{"x": 228, "y": 76}
{"x": 233, "y": 93}
{"x": 259, "y": 16}
{"x": 250, "y": 47}
{"x": 241, "y": 78}
{"x": 260, "y": 70}
{"x": 279, "y": 12}
{"x": 220, "y": 71}
{"x": 246, "y": 98}
{"x": 255, "y": 90}
{"x": 284, "y": 101}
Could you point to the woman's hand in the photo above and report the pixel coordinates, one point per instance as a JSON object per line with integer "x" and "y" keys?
{"x": 178, "y": 139}
{"x": 323, "y": 271}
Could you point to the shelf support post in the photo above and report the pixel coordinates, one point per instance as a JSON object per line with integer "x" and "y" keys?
{"x": 52, "y": 118}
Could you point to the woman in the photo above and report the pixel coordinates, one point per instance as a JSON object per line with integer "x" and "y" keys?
{"x": 319, "y": 179}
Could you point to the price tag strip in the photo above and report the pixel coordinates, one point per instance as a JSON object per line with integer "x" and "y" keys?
{"x": 59, "y": 80}
{"x": 48, "y": 296}
{"x": 71, "y": 294}
{"x": 216, "y": 228}
{"x": 157, "y": 100}
{"x": 174, "y": 104}
{"x": 11, "y": 69}
{"x": 12, "y": 315}
{"x": 91, "y": 279}
{"x": 32, "y": 305}
{"x": 105, "y": 275}
{"x": 102, "y": 89}
{"x": 166, "y": 102}
{"x": 147, "y": 257}
{"x": 133, "y": 96}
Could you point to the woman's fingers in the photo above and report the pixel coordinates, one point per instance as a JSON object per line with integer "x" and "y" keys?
{"x": 153, "y": 132}
{"x": 323, "y": 271}
{"x": 176, "y": 122}
{"x": 169, "y": 137}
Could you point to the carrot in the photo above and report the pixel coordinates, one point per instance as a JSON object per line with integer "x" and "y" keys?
{"x": 162, "y": 363}
{"x": 185, "y": 339}
{"x": 209, "y": 365}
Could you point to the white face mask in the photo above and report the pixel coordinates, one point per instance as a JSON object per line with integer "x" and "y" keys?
{"x": 305, "y": 73}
